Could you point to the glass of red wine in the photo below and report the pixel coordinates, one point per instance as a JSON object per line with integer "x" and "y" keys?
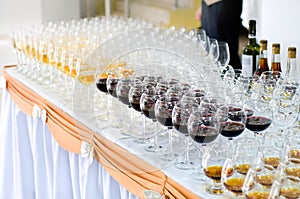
{"x": 101, "y": 86}
{"x": 236, "y": 122}
{"x": 203, "y": 129}
{"x": 135, "y": 93}
{"x": 122, "y": 90}
{"x": 147, "y": 102}
{"x": 180, "y": 115}
{"x": 163, "y": 113}
{"x": 260, "y": 120}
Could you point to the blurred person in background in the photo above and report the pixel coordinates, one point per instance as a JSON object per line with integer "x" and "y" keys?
{"x": 221, "y": 19}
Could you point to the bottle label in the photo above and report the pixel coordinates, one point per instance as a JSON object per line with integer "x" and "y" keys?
{"x": 247, "y": 65}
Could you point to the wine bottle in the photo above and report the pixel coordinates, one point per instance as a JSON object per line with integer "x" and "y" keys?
{"x": 263, "y": 58}
{"x": 276, "y": 62}
{"x": 250, "y": 52}
{"x": 291, "y": 66}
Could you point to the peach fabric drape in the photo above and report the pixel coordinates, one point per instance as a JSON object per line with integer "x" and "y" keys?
{"x": 131, "y": 172}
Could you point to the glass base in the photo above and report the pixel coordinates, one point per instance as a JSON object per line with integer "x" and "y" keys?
{"x": 154, "y": 148}
{"x": 168, "y": 157}
{"x": 184, "y": 165}
{"x": 215, "y": 190}
{"x": 142, "y": 140}
{"x": 198, "y": 176}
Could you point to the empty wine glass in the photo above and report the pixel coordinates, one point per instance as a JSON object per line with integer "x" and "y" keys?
{"x": 214, "y": 51}
{"x": 285, "y": 106}
{"x": 224, "y": 56}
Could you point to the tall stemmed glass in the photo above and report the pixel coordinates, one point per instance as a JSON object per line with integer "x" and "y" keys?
{"x": 163, "y": 113}
{"x": 135, "y": 93}
{"x": 224, "y": 55}
{"x": 85, "y": 74}
{"x": 123, "y": 88}
{"x": 148, "y": 101}
{"x": 285, "y": 106}
{"x": 203, "y": 128}
{"x": 214, "y": 51}
{"x": 180, "y": 115}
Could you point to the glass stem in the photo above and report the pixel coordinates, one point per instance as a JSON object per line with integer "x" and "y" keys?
{"x": 187, "y": 147}
{"x": 170, "y": 133}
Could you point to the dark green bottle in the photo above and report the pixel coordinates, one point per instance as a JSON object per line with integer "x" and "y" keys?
{"x": 250, "y": 56}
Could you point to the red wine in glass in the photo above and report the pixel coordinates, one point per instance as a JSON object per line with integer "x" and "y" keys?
{"x": 101, "y": 85}
{"x": 257, "y": 123}
{"x": 204, "y": 134}
{"x": 231, "y": 129}
{"x": 148, "y": 107}
{"x": 111, "y": 86}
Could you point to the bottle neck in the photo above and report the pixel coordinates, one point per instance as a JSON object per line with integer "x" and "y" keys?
{"x": 263, "y": 54}
{"x": 276, "y": 58}
{"x": 251, "y": 38}
{"x": 291, "y": 68}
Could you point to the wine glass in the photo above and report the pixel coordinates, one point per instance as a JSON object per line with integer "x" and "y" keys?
{"x": 163, "y": 113}
{"x": 224, "y": 56}
{"x": 122, "y": 91}
{"x": 261, "y": 118}
{"x": 135, "y": 93}
{"x": 203, "y": 129}
{"x": 236, "y": 123}
{"x": 285, "y": 107}
{"x": 180, "y": 116}
{"x": 258, "y": 181}
{"x": 212, "y": 162}
{"x": 244, "y": 154}
{"x": 86, "y": 76}
{"x": 148, "y": 101}
{"x": 285, "y": 187}
{"x": 213, "y": 51}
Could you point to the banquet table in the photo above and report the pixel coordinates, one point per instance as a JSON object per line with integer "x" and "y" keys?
{"x": 48, "y": 150}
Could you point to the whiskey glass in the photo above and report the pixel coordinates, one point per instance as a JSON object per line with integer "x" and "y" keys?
{"x": 242, "y": 159}
{"x": 212, "y": 162}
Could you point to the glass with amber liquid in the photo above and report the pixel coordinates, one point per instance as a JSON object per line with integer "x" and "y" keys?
{"x": 258, "y": 181}
{"x": 276, "y": 59}
{"x": 244, "y": 153}
{"x": 212, "y": 163}
{"x": 263, "y": 58}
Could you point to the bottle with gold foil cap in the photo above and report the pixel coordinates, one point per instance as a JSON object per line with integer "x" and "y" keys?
{"x": 263, "y": 58}
{"x": 291, "y": 65}
{"x": 276, "y": 60}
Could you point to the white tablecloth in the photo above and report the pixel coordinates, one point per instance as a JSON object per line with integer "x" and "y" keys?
{"x": 33, "y": 165}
